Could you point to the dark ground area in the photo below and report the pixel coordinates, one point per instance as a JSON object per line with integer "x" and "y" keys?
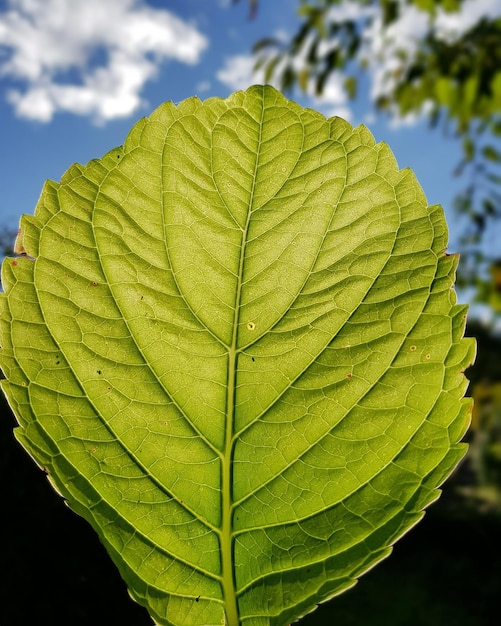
{"x": 445, "y": 571}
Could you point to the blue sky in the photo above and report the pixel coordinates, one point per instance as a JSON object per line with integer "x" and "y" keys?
{"x": 76, "y": 74}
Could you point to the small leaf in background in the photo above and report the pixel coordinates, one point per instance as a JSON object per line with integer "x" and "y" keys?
{"x": 234, "y": 347}
{"x": 491, "y": 154}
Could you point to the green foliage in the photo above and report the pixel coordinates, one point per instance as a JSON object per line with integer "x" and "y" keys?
{"x": 460, "y": 77}
{"x": 234, "y": 347}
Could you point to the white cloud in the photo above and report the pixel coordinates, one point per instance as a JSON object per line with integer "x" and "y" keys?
{"x": 333, "y": 101}
{"x": 386, "y": 49}
{"x": 453, "y": 25}
{"x": 50, "y": 48}
{"x": 238, "y": 72}
{"x": 203, "y": 86}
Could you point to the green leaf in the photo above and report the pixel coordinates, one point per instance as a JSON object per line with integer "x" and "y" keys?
{"x": 469, "y": 148}
{"x": 234, "y": 346}
{"x": 444, "y": 91}
{"x": 350, "y": 84}
{"x": 491, "y": 154}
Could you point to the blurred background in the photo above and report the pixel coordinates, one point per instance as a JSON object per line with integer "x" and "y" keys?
{"x": 424, "y": 76}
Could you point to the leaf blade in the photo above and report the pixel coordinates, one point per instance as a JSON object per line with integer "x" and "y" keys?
{"x": 250, "y": 391}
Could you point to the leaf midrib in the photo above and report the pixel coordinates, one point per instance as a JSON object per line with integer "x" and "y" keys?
{"x": 232, "y": 616}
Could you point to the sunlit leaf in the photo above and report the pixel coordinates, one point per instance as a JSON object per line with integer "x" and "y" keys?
{"x": 234, "y": 346}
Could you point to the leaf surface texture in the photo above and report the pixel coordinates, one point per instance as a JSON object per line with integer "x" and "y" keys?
{"x": 234, "y": 346}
